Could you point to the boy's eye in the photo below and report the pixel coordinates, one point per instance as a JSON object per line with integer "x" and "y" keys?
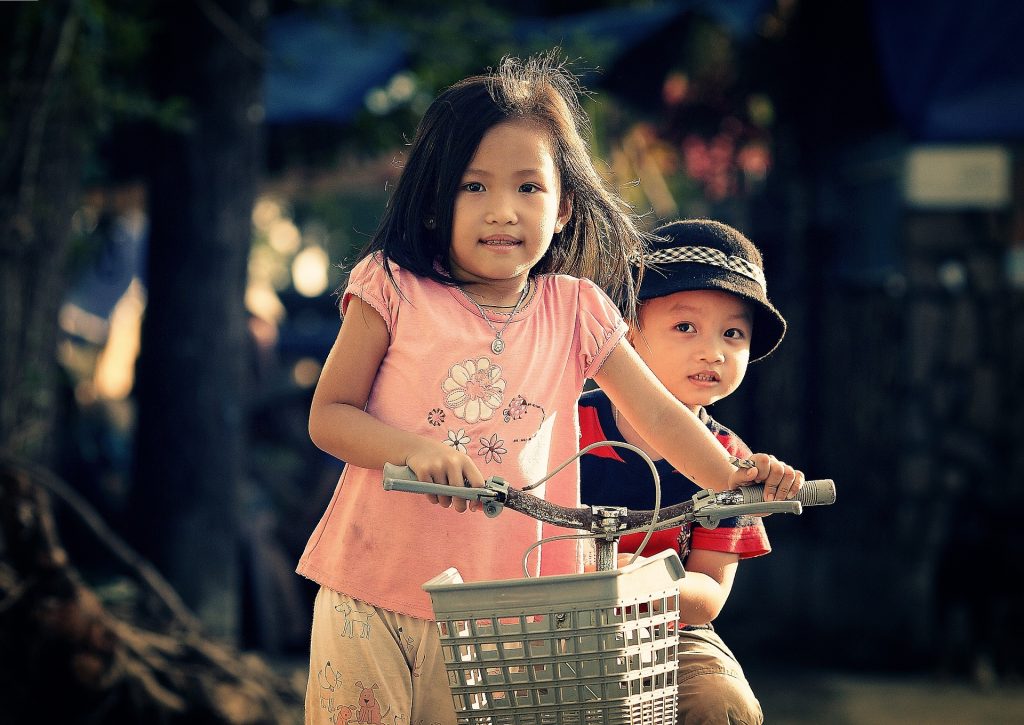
{"x": 529, "y": 188}
{"x": 473, "y": 186}
{"x": 735, "y": 333}
{"x": 686, "y": 327}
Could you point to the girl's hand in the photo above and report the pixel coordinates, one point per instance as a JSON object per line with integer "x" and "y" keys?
{"x": 441, "y": 464}
{"x": 781, "y": 481}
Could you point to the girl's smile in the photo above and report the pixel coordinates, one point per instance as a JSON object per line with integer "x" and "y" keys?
{"x": 507, "y": 209}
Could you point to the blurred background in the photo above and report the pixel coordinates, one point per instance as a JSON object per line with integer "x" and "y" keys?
{"x": 183, "y": 183}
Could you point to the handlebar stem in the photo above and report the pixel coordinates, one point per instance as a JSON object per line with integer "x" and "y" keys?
{"x": 499, "y": 486}
{"x": 608, "y": 520}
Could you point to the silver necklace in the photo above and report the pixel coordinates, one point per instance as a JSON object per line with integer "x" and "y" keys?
{"x": 498, "y": 346}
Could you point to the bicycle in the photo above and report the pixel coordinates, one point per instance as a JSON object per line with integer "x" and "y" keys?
{"x": 575, "y": 649}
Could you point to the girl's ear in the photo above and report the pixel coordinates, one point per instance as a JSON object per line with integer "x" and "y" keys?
{"x": 632, "y": 333}
{"x": 564, "y": 213}
{"x": 635, "y": 332}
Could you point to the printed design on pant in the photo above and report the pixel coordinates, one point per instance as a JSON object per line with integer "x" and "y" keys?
{"x": 474, "y": 389}
{"x": 354, "y": 619}
{"x": 329, "y": 680}
{"x": 367, "y": 707}
{"x": 435, "y": 417}
{"x": 518, "y": 408}
{"x": 408, "y": 644}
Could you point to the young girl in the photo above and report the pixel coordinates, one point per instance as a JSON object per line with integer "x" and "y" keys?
{"x": 467, "y": 336}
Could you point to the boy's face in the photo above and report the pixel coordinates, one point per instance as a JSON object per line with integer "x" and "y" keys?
{"x": 697, "y": 343}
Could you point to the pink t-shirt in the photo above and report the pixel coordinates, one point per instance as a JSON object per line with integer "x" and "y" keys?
{"x": 514, "y": 414}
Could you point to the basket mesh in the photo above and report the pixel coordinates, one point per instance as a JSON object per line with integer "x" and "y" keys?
{"x": 580, "y": 649}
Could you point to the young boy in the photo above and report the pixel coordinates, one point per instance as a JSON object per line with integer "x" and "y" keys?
{"x": 704, "y": 314}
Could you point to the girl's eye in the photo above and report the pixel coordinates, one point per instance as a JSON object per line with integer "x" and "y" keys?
{"x": 473, "y": 186}
{"x": 529, "y": 188}
{"x": 686, "y": 327}
{"x": 735, "y": 333}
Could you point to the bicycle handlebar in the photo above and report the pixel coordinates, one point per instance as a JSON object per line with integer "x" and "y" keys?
{"x": 707, "y": 507}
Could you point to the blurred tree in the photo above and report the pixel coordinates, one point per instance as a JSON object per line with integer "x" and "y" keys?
{"x": 195, "y": 357}
{"x": 46, "y": 119}
{"x": 68, "y": 66}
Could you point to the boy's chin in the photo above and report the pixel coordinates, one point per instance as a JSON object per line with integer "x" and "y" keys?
{"x": 703, "y": 401}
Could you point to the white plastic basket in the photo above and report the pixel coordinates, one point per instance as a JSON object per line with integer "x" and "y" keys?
{"x": 582, "y": 649}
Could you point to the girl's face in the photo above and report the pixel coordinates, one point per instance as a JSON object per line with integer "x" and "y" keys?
{"x": 697, "y": 343}
{"x": 507, "y": 208}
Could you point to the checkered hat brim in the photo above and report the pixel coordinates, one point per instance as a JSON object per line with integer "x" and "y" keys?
{"x": 708, "y": 255}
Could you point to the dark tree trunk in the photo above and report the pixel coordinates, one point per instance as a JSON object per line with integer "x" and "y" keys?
{"x": 44, "y": 122}
{"x": 193, "y": 369}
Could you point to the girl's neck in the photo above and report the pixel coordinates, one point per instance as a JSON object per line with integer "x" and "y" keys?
{"x": 498, "y": 295}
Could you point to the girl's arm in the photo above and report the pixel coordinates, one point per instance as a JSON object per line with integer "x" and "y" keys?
{"x": 707, "y": 584}
{"x": 668, "y": 425}
{"x": 339, "y": 425}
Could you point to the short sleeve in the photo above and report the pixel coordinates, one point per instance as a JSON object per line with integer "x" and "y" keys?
{"x": 369, "y": 282}
{"x": 600, "y": 327}
{"x": 744, "y": 536}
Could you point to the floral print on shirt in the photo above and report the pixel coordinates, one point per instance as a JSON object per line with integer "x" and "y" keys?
{"x": 492, "y": 449}
{"x": 458, "y": 440}
{"x": 474, "y": 389}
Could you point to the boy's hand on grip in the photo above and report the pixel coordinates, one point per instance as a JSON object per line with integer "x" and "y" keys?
{"x": 781, "y": 481}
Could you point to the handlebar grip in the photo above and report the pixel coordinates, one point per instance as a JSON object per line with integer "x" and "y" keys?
{"x": 400, "y": 473}
{"x": 402, "y": 478}
{"x": 812, "y": 493}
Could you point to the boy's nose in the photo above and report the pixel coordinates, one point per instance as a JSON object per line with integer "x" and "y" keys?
{"x": 712, "y": 353}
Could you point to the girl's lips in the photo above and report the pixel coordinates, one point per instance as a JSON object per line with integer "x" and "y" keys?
{"x": 704, "y": 378}
{"x": 500, "y": 241}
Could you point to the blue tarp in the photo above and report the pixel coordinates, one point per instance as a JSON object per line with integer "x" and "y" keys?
{"x": 954, "y": 69}
{"x": 321, "y": 66}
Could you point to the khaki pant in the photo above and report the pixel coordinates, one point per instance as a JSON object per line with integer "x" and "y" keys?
{"x": 371, "y": 665}
{"x": 712, "y": 687}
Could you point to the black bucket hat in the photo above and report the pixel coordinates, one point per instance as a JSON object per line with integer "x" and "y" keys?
{"x": 700, "y": 254}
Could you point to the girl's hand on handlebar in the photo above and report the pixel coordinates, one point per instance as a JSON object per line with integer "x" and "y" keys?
{"x": 441, "y": 464}
{"x": 781, "y": 481}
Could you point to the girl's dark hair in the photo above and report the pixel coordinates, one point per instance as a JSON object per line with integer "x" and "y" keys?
{"x": 602, "y": 235}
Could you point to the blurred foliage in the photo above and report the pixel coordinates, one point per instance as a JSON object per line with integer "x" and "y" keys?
{"x": 108, "y": 65}
{"x": 446, "y": 41}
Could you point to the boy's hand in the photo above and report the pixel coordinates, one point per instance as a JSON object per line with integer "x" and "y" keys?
{"x": 441, "y": 464}
{"x": 781, "y": 481}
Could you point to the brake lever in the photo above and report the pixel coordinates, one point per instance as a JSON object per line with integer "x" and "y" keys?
{"x": 709, "y": 513}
